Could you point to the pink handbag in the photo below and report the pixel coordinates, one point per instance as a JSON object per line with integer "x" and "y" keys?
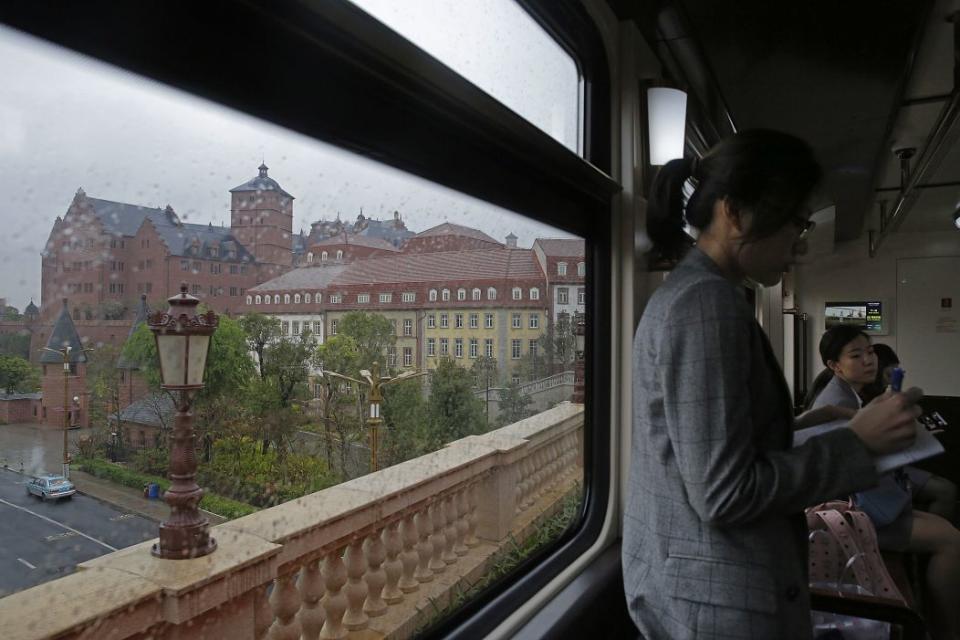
{"x": 844, "y": 554}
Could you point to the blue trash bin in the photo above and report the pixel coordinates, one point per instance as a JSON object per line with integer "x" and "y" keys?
{"x": 153, "y": 491}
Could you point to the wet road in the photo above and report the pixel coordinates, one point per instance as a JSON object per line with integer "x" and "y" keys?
{"x": 41, "y": 541}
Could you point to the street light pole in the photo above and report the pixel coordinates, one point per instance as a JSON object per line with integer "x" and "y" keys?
{"x": 64, "y": 353}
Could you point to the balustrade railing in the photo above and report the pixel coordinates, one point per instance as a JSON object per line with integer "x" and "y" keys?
{"x": 372, "y": 553}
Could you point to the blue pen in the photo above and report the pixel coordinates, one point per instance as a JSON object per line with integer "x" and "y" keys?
{"x": 896, "y": 379}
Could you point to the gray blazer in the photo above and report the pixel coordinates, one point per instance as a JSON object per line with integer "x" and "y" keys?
{"x": 714, "y": 538}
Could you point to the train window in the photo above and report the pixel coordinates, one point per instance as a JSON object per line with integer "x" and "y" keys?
{"x": 457, "y": 472}
{"x": 499, "y": 47}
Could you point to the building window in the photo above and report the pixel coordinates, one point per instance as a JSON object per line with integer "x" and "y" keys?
{"x": 444, "y": 347}
{"x": 250, "y": 299}
{"x": 534, "y": 293}
{"x": 517, "y": 293}
{"x": 276, "y": 298}
{"x": 474, "y": 320}
{"x": 534, "y": 347}
{"x": 488, "y": 321}
{"x": 515, "y": 349}
{"x": 295, "y": 325}
{"x": 445, "y": 294}
{"x": 432, "y": 296}
{"x": 444, "y": 322}
{"x": 561, "y": 268}
{"x": 581, "y": 269}
{"x": 458, "y": 320}
{"x": 517, "y": 323}
{"x": 318, "y": 298}
{"x": 515, "y": 378}
{"x": 581, "y": 296}
{"x": 339, "y": 254}
{"x": 215, "y": 267}
{"x": 317, "y": 327}
{"x": 458, "y": 347}
{"x": 431, "y": 321}
{"x": 488, "y": 347}
{"x": 234, "y": 269}
{"x": 286, "y": 298}
{"x": 386, "y": 297}
{"x": 233, "y": 290}
{"x": 408, "y": 327}
{"x": 335, "y": 298}
{"x": 296, "y": 298}
{"x": 256, "y": 298}
{"x": 323, "y": 256}
{"x": 409, "y": 296}
{"x": 475, "y": 294}
{"x": 563, "y": 295}
{"x": 393, "y": 327}
{"x": 333, "y": 327}
{"x": 363, "y": 298}
{"x": 309, "y": 257}
{"x": 431, "y": 347}
{"x": 461, "y": 294}
{"x": 491, "y": 294}
{"x": 474, "y": 347}
{"x": 285, "y": 328}
{"x": 306, "y": 298}
{"x": 408, "y": 356}
{"x": 534, "y": 321}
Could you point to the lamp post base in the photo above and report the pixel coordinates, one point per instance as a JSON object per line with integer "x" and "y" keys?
{"x": 184, "y": 542}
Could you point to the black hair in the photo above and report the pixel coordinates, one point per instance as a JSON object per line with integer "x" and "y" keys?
{"x": 769, "y": 173}
{"x": 835, "y": 339}
{"x": 886, "y": 357}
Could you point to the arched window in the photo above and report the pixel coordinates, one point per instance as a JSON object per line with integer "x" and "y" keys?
{"x": 534, "y": 293}
{"x": 445, "y": 294}
{"x": 475, "y": 294}
{"x": 581, "y": 269}
{"x": 323, "y": 256}
{"x": 296, "y": 298}
{"x": 461, "y": 294}
{"x": 432, "y": 296}
{"x": 491, "y": 294}
{"x": 266, "y": 299}
{"x": 339, "y": 254}
{"x": 306, "y": 298}
{"x": 250, "y": 300}
{"x": 276, "y": 299}
{"x": 309, "y": 257}
{"x": 517, "y": 293}
{"x": 286, "y": 298}
{"x": 561, "y": 268}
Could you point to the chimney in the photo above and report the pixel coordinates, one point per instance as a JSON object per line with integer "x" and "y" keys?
{"x": 512, "y": 241}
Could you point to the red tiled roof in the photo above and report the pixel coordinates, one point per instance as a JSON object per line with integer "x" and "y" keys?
{"x": 355, "y": 239}
{"x": 451, "y": 229}
{"x": 562, "y": 247}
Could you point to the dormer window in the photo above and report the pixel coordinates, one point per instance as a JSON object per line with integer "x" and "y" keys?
{"x": 517, "y": 293}
{"x": 276, "y": 299}
{"x": 432, "y": 296}
{"x": 306, "y": 298}
{"x": 339, "y": 254}
{"x": 534, "y": 293}
{"x": 561, "y": 268}
{"x": 491, "y": 294}
{"x": 581, "y": 269}
{"x": 461, "y": 294}
{"x": 310, "y": 257}
{"x": 475, "y": 294}
{"x": 296, "y": 298}
{"x": 445, "y": 295}
{"x": 286, "y": 298}
{"x": 250, "y": 299}
{"x": 323, "y": 256}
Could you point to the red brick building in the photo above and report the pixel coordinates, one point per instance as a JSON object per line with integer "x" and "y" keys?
{"x": 63, "y": 382}
{"x": 563, "y": 261}
{"x": 347, "y": 247}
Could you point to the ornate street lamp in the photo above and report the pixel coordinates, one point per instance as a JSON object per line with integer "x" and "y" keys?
{"x": 183, "y": 340}
{"x": 579, "y": 333}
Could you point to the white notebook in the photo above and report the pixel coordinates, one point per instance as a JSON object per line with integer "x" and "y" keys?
{"x": 925, "y": 446}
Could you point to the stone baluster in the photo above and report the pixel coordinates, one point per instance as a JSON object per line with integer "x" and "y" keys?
{"x": 285, "y": 602}
{"x": 376, "y": 576}
{"x": 393, "y": 566}
{"x": 335, "y": 603}
{"x": 356, "y": 590}
{"x": 262, "y": 614}
{"x": 471, "y": 539}
{"x": 424, "y": 546}
{"x": 460, "y": 502}
{"x": 521, "y": 484}
{"x": 449, "y": 530}
{"x": 437, "y": 539}
{"x": 528, "y": 482}
{"x": 408, "y": 557}
{"x": 311, "y": 590}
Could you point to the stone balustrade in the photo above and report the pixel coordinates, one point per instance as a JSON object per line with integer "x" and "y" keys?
{"x": 377, "y": 556}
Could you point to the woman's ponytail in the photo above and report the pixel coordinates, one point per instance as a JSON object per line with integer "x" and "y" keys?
{"x": 665, "y": 221}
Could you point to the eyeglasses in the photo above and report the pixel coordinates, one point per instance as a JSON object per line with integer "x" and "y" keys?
{"x": 805, "y": 226}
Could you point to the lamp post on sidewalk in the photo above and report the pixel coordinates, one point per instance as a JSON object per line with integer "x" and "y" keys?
{"x": 183, "y": 341}
{"x": 64, "y": 353}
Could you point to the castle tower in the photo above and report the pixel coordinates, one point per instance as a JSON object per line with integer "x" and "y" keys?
{"x": 55, "y": 392}
{"x": 261, "y": 218}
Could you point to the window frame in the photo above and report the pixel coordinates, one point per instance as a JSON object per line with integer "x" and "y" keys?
{"x": 516, "y": 166}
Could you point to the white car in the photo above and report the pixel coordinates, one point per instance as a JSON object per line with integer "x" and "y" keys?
{"x": 50, "y": 487}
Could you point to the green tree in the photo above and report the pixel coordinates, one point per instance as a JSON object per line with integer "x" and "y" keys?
{"x": 514, "y": 405}
{"x": 286, "y": 363}
{"x": 10, "y": 314}
{"x": 373, "y": 335}
{"x": 260, "y": 331}
{"x": 337, "y": 398}
{"x": 17, "y": 375}
{"x": 560, "y": 344}
{"x": 15, "y": 344}
{"x": 453, "y": 410}
{"x": 404, "y": 425}
{"x": 104, "y": 384}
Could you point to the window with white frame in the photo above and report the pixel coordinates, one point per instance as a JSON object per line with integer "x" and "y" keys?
{"x": 444, "y": 346}
{"x": 488, "y": 347}
{"x": 333, "y": 327}
{"x": 474, "y": 347}
{"x": 581, "y": 296}
{"x": 517, "y": 293}
{"x": 296, "y": 298}
{"x": 363, "y": 298}
{"x": 408, "y": 356}
{"x": 431, "y": 321}
{"x": 276, "y": 298}
{"x": 534, "y": 347}
{"x": 309, "y": 257}
{"x": 408, "y": 327}
{"x": 317, "y": 327}
{"x": 306, "y": 298}
{"x": 386, "y": 297}
{"x": 323, "y": 256}
{"x": 295, "y": 327}
{"x": 249, "y": 299}
{"x": 286, "y": 298}
{"x": 563, "y": 295}
{"x": 444, "y": 321}
{"x": 391, "y": 356}
{"x": 476, "y": 294}
{"x": 534, "y": 293}
{"x": 461, "y": 294}
{"x": 491, "y": 293}
{"x": 335, "y": 298}
{"x": 431, "y": 347}
{"x": 458, "y": 347}
{"x": 266, "y": 299}
{"x": 581, "y": 269}
{"x": 515, "y": 347}
{"x": 474, "y": 320}
{"x": 458, "y": 321}
{"x": 432, "y": 295}
{"x": 534, "y": 321}
{"x": 488, "y": 321}
{"x": 409, "y": 296}
{"x": 516, "y": 321}
{"x": 257, "y": 299}
{"x": 561, "y": 268}
{"x": 445, "y": 295}
{"x": 285, "y": 328}
{"x": 339, "y": 254}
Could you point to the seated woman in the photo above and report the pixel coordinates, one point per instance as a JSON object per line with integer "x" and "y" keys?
{"x": 847, "y": 352}
{"x": 932, "y": 493}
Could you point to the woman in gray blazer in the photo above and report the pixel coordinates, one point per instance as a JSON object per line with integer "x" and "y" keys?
{"x": 714, "y": 537}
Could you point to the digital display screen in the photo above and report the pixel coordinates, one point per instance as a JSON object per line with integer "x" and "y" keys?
{"x": 865, "y": 315}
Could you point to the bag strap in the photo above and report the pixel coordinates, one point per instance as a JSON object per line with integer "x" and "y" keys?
{"x": 883, "y": 584}
{"x": 843, "y": 532}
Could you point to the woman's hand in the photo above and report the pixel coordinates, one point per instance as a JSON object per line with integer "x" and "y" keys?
{"x": 889, "y": 422}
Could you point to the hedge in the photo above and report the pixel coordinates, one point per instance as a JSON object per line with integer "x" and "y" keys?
{"x": 213, "y": 503}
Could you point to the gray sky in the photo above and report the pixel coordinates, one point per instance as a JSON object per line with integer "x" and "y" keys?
{"x": 67, "y": 121}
